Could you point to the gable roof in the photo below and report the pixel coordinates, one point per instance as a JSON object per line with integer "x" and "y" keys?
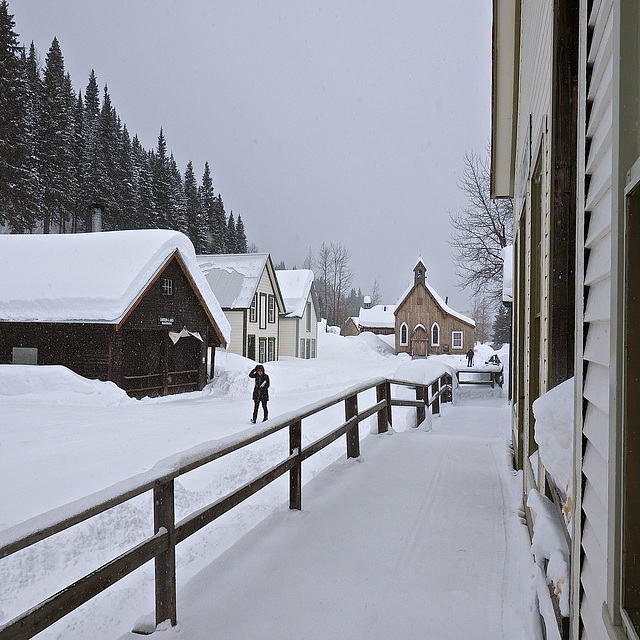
{"x": 296, "y": 286}
{"x": 380, "y": 315}
{"x": 234, "y": 277}
{"x": 439, "y": 301}
{"x": 92, "y": 277}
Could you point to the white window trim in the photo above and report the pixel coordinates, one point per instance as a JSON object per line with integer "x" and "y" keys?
{"x": 437, "y": 343}
{"x": 404, "y": 326}
{"x": 453, "y": 340}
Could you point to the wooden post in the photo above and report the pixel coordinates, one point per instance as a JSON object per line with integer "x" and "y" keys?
{"x": 165, "y": 562}
{"x": 353, "y": 435}
{"x": 295, "y": 475}
{"x": 383, "y": 424}
{"x": 435, "y": 404}
{"x": 448, "y": 379}
{"x": 420, "y": 394}
{"x": 389, "y": 412}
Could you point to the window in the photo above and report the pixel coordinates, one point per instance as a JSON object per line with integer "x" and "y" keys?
{"x": 308, "y": 316}
{"x": 435, "y": 335}
{"x": 301, "y": 352}
{"x": 166, "y": 286}
{"x": 263, "y": 311}
{"x": 262, "y": 349}
{"x": 253, "y": 310}
{"x": 307, "y": 353}
{"x": 313, "y": 348}
{"x": 456, "y": 339}
{"x": 404, "y": 334}
{"x": 24, "y": 355}
{"x": 271, "y": 349}
{"x": 272, "y": 309}
{"x": 251, "y": 347}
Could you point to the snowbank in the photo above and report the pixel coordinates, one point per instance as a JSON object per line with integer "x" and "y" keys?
{"x": 58, "y": 385}
{"x": 553, "y": 431}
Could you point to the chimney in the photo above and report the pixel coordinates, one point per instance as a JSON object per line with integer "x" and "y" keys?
{"x": 96, "y": 218}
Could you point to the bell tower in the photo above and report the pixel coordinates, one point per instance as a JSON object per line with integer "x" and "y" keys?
{"x": 419, "y": 273}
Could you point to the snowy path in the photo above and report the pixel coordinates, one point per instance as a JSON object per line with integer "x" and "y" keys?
{"x": 420, "y": 538}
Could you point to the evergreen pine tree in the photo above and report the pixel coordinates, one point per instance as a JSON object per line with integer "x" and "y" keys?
{"x": 220, "y": 224}
{"x": 241, "y": 238}
{"x": 127, "y": 195}
{"x": 56, "y": 142}
{"x": 207, "y": 206}
{"x": 17, "y": 178}
{"x": 78, "y": 145}
{"x": 107, "y": 152}
{"x": 162, "y": 184}
{"x": 194, "y": 214}
{"x": 502, "y": 326}
{"x": 231, "y": 241}
{"x": 92, "y": 164}
{"x": 145, "y": 215}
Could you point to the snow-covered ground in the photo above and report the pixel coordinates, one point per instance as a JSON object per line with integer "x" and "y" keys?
{"x": 63, "y": 438}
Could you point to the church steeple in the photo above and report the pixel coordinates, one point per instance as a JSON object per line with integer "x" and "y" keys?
{"x": 419, "y": 273}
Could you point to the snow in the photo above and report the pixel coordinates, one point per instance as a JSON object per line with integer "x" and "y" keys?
{"x": 507, "y": 274}
{"x": 553, "y": 431}
{"x": 380, "y": 315}
{"x": 233, "y": 277}
{"x": 295, "y": 286}
{"x": 449, "y": 556}
{"x": 89, "y": 277}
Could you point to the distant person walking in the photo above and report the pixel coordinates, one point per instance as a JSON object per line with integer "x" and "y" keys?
{"x": 470, "y": 355}
{"x": 260, "y": 392}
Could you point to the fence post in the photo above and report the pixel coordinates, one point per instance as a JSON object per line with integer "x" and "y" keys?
{"x": 435, "y": 403}
{"x": 353, "y": 435}
{"x": 449, "y": 380}
{"x": 420, "y": 394}
{"x": 389, "y": 411}
{"x": 295, "y": 475}
{"x": 383, "y": 424}
{"x": 165, "y": 562}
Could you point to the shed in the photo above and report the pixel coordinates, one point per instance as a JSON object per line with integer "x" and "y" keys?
{"x": 131, "y": 307}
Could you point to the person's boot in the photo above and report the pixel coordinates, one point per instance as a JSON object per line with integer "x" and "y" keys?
{"x": 266, "y": 416}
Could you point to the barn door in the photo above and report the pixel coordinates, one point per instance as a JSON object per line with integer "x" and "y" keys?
{"x": 419, "y": 342}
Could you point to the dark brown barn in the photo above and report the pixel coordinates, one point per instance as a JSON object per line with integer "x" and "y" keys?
{"x": 131, "y": 307}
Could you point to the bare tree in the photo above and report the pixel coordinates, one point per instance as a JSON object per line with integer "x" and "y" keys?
{"x": 375, "y": 293}
{"x": 483, "y": 312}
{"x": 482, "y": 229}
{"x": 333, "y": 279}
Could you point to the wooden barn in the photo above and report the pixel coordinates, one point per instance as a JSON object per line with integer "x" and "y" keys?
{"x": 131, "y": 307}
{"x": 425, "y": 324}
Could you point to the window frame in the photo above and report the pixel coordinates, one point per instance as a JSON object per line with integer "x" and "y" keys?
{"x": 453, "y": 339}
{"x": 166, "y": 286}
{"x": 435, "y": 326}
{"x": 404, "y": 327}
{"x": 262, "y": 311}
{"x": 253, "y": 309}
{"x": 271, "y": 314}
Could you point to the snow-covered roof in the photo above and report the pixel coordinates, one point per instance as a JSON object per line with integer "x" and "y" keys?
{"x": 380, "y": 315}
{"x": 90, "y": 277}
{"x": 295, "y": 285}
{"x": 233, "y": 277}
{"x": 445, "y": 307}
{"x": 507, "y": 274}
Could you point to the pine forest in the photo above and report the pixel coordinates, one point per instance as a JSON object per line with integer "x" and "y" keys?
{"x": 64, "y": 154}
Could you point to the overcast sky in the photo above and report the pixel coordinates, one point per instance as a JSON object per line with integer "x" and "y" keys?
{"x": 321, "y": 121}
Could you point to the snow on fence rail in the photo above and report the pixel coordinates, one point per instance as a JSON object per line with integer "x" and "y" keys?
{"x": 160, "y": 479}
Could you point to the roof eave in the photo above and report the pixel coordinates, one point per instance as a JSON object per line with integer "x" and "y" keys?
{"x": 504, "y": 95}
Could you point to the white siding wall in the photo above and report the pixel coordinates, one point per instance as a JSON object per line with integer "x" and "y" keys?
{"x": 289, "y": 337}
{"x": 596, "y": 218}
{"x": 235, "y": 319}
{"x": 271, "y": 331}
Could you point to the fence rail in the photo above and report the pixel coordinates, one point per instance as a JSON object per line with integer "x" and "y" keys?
{"x": 161, "y": 547}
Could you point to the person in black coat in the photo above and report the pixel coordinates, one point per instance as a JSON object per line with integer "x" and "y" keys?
{"x": 260, "y": 392}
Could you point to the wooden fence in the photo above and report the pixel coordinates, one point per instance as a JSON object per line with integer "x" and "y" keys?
{"x": 161, "y": 547}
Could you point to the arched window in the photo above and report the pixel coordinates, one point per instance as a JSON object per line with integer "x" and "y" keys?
{"x": 435, "y": 335}
{"x": 404, "y": 334}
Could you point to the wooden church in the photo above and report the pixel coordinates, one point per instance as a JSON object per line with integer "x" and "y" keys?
{"x": 426, "y": 325}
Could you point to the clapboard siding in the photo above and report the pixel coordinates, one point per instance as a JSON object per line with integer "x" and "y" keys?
{"x": 597, "y": 348}
{"x": 594, "y": 468}
{"x": 598, "y": 294}
{"x": 593, "y": 420}
{"x": 597, "y": 319}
